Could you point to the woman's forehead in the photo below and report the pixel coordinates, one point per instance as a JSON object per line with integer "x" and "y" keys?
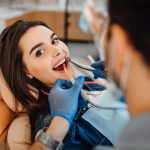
{"x": 34, "y": 35}
{"x": 35, "y": 31}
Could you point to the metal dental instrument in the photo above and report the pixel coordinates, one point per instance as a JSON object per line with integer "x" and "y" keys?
{"x": 92, "y": 100}
{"x": 85, "y": 67}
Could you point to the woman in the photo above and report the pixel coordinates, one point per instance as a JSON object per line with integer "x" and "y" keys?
{"x": 32, "y": 58}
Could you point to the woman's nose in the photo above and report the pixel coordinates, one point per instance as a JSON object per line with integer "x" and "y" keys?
{"x": 56, "y": 52}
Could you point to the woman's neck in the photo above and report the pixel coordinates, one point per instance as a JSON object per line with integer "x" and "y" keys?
{"x": 138, "y": 89}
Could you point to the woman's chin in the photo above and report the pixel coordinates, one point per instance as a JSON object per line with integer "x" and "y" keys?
{"x": 68, "y": 76}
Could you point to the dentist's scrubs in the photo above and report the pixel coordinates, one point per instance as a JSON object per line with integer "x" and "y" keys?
{"x": 136, "y": 135}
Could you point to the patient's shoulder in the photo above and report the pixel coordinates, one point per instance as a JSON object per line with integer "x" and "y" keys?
{"x": 19, "y": 133}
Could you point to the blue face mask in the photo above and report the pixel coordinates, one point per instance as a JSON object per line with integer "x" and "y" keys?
{"x": 84, "y": 17}
{"x": 83, "y": 23}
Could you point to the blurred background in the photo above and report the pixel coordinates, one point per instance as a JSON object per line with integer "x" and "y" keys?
{"x": 62, "y": 16}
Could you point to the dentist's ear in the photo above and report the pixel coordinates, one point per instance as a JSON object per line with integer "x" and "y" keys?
{"x": 121, "y": 46}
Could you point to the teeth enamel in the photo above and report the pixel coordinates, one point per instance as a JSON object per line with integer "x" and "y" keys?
{"x": 59, "y": 63}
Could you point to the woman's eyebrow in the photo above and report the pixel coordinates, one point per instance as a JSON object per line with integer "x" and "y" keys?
{"x": 41, "y": 43}
{"x": 53, "y": 34}
{"x": 36, "y": 46}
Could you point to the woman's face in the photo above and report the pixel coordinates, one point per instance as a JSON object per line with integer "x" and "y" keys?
{"x": 43, "y": 54}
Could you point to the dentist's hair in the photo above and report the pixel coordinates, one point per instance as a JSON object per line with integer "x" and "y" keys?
{"x": 134, "y": 17}
{"x": 13, "y": 69}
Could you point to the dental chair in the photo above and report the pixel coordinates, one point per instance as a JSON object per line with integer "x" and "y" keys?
{"x": 6, "y": 117}
{"x": 14, "y": 122}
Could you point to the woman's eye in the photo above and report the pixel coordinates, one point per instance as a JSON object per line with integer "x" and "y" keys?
{"x": 54, "y": 41}
{"x": 39, "y": 53}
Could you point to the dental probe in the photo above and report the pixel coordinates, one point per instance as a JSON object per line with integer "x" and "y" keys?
{"x": 85, "y": 67}
{"x": 90, "y": 99}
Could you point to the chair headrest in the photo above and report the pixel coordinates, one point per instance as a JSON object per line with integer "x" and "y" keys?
{"x": 8, "y": 97}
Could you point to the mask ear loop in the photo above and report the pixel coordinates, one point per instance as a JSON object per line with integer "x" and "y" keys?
{"x": 111, "y": 60}
{"x": 125, "y": 72}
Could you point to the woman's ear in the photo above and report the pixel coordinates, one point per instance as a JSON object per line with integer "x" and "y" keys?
{"x": 29, "y": 75}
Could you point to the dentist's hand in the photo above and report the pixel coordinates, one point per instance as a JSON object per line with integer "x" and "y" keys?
{"x": 99, "y": 71}
{"x": 64, "y": 102}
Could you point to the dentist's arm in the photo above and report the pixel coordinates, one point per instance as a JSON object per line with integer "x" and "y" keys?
{"x": 63, "y": 106}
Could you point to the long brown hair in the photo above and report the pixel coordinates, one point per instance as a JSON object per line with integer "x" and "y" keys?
{"x": 13, "y": 70}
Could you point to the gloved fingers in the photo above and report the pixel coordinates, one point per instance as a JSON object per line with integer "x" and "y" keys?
{"x": 66, "y": 84}
{"x": 78, "y": 84}
{"x": 99, "y": 65}
{"x": 62, "y": 84}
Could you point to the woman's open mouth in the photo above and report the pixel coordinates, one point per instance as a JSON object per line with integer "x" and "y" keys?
{"x": 60, "y": 65}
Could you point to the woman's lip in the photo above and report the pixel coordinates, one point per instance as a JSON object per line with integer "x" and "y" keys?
{"x": 59, "y": 64}
{"x": 59, "y": 61}
{"x": 63, "y": 71}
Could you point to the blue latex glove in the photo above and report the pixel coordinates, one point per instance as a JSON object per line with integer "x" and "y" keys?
{"x": 99, "y": 71}
{"x": 64, "y": 102}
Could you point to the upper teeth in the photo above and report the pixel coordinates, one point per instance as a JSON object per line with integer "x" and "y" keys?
{"x": 60, "y": 63}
